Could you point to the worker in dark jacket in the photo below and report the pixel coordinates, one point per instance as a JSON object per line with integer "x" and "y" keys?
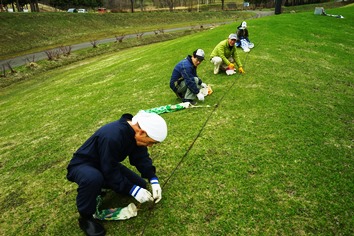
{"x": 97, "y": 164}
{"x": 184, "y": 79}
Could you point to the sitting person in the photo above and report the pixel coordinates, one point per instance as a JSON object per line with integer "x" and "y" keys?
{"x": 185, "y": 82}
{"x": 242, "y": 38}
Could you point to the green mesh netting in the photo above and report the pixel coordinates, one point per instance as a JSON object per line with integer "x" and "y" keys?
{"x": 164, "y": 109}
{"x": 114, "y": 213}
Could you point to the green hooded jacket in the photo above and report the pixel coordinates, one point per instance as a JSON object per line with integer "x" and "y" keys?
{"x": 223, "y": 51}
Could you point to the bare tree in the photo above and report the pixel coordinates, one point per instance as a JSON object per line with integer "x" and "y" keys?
{"x": 18, "y": 6}
{"x": 66, "y": 50}
{"x": 94, "y": 43}
{"x": 170, "y": 4}
{"x": 132, "y": 5}
{"x": 52, "y": 54}
{"x": 120, "y": 38}
{"x": 3, "y": 70}
{"x": 139, "y": 35}
{"x": 30, "y": 63}
{"x": 10, "y": 67}
{"x": 27, "y": 60}
{"x": 141, "y": 3}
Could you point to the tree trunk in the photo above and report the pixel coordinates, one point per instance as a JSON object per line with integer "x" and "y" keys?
{"x": 132, "y": 5}
{"x": 170, "y": 5}
{"x": 141, "y": 5}
{"x": 18, "y": 6}
{"x": 37, "y": 6}
{"x": 277, "y": 7}
{"x": 32, "y": 7}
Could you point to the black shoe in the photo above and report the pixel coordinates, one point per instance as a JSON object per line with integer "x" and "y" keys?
{"x": 91, "y": 227}
{"x": 190, "y": 101}
{"x": 179, "y": 95}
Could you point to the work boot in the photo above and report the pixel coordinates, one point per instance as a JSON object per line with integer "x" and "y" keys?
{"x": 91, "y": 227}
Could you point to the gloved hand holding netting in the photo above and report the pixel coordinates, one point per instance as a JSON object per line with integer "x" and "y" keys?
{"x": 141, "y": 194}
{"x": 156, "y": 189}
{"x": 240, "y": 70}
{"x": 200, "y": 96}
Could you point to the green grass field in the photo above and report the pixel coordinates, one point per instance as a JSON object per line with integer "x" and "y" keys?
{"x": 275, "y": 157}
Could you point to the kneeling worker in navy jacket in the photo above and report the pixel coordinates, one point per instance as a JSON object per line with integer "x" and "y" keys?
{"x": 97, "y": 164}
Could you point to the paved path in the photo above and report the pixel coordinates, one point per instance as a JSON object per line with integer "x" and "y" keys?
{"x": 21, "y": 60}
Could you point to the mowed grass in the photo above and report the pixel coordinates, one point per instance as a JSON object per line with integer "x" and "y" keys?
{"x": 274, "y": 157}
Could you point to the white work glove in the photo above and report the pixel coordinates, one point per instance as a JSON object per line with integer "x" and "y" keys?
{"x": 185, "y": 104}
{"x": 156, "y": 189}
{"x": 204, "y": 85}
{"x": 200, "y": 96}
{"x": 230, "y": 72}
{"x": 141, "y": 194}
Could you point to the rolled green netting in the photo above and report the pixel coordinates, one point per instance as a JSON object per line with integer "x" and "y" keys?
{"x": 167, "y": 108}
{"x": 180, "y": 106}
{"x": 115, "y": 213}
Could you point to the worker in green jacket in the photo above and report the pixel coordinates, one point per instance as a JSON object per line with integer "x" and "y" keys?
{"x": 225, "y": 56}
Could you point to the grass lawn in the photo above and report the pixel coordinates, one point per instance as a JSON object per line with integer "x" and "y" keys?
{"x": 275, "y": 157}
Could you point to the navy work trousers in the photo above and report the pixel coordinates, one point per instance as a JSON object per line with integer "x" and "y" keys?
{"x": 91, "y": 181}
